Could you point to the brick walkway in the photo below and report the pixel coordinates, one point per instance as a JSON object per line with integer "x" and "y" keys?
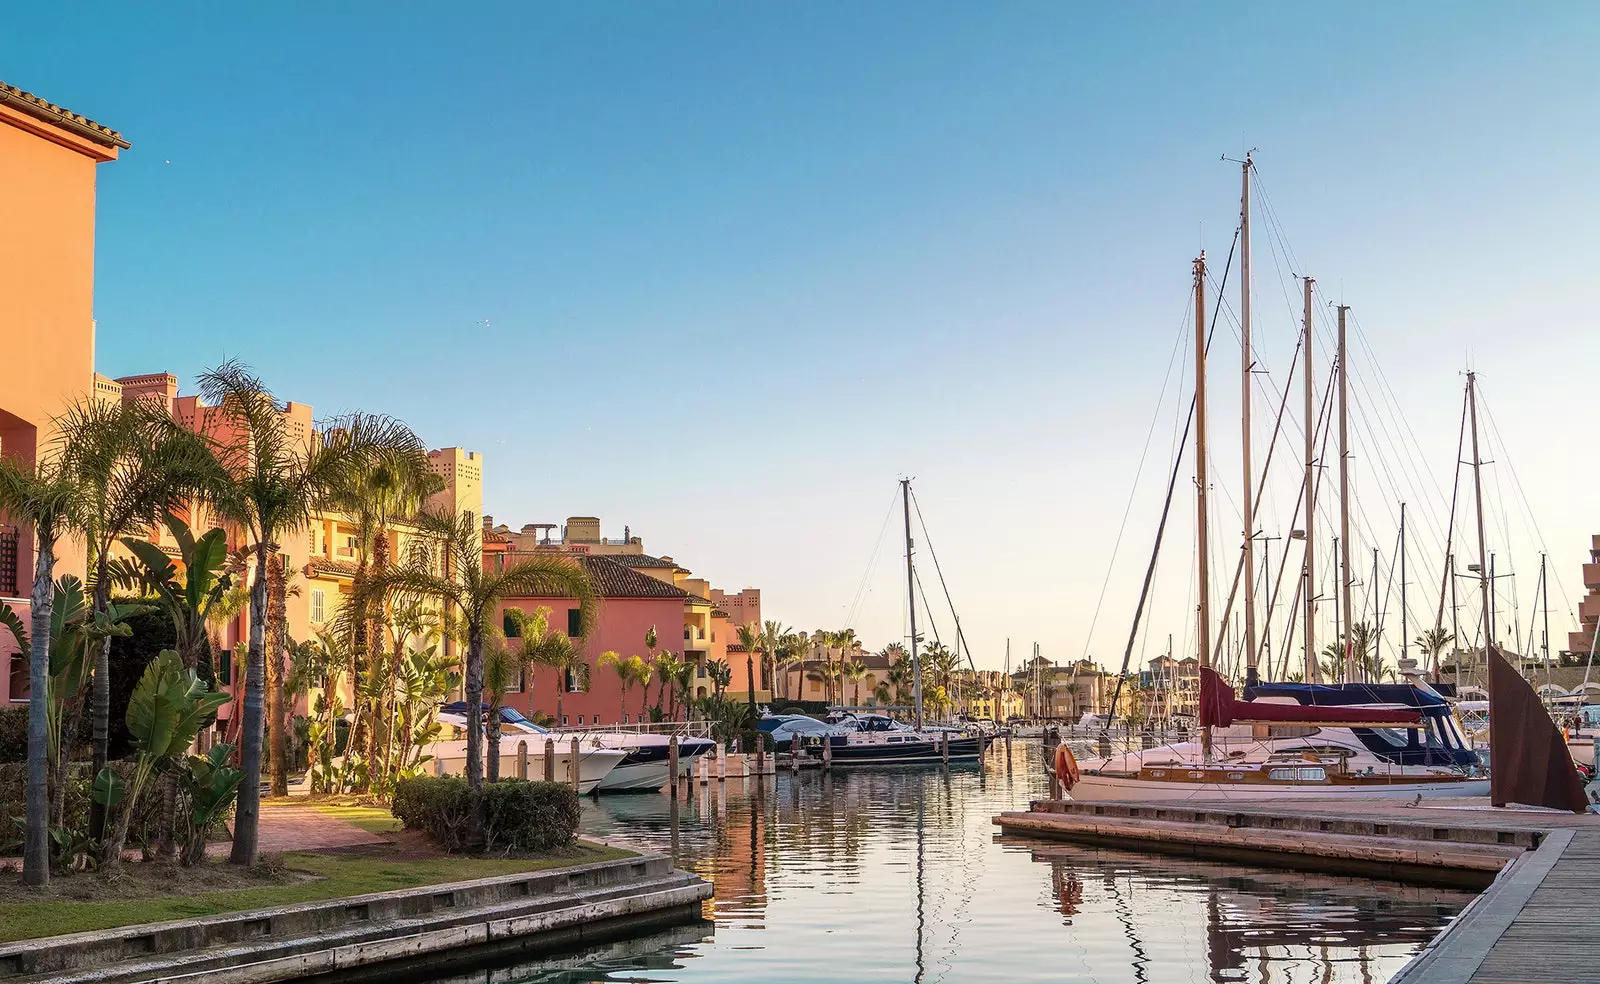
{"x": 301, "y": 828}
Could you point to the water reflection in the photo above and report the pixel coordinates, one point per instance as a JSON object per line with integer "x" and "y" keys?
{"x": 898, "y": 875}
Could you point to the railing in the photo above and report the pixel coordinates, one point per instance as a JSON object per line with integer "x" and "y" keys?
{"x": 683, "y": 729}
{"x": 8, "y": 562}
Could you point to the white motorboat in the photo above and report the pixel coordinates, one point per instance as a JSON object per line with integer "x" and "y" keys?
{"x": 593, "y": 763}
{"x": 646, "y": 763}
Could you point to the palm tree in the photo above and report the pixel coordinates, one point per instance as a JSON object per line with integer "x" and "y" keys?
{"x": 474, "y": 596}
{"x": 773, "y": 633}
{"x": 133, "y": 465}
{"x": 1432, "y": 642}
{"x": 47, "y": 496}
{"x": 853, "y": 670}
{"x": 752, "y": 638}
{"x": 630, "y": 670}
{"x": 500, "y": 674}
{"x": 721, "y": 676}
{"x": 794, "y": 649}
{"x": 557, "y": 651}
{"x": 845, "y": 639}
{"x": 668, "y": 668}
{"x": 395, "y": 485}
{"x": 272, "y": 479}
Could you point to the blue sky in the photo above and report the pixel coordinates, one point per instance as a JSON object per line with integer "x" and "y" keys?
{"x": 724, "y": 272}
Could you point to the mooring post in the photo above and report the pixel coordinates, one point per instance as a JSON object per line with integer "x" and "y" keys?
{"x": 672, "y": 764}
{"x": 827, "y": 753}
{"x": 576, "y": 772}
{"x": 722, "y": 763}
{"x": 549, "y": 760}
{"x": 522, "y": 759}
{"x": 761, "y": 753}
{"x": 944, "y": 747}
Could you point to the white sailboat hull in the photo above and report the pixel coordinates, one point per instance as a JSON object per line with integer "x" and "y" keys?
{"x": 1091, "y": 788}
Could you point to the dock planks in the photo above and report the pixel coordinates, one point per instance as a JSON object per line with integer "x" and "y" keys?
{"x": 1552, "y": 936}
{"x": 1537, "y": 922}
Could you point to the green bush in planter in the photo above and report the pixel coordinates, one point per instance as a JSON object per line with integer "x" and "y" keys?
{"x": 518, "y": 815}
{"x": 522, "y": 815}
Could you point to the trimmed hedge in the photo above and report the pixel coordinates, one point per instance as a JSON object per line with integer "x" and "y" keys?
{"x": 14, "y": 734}
{"x": 518, "y": 814}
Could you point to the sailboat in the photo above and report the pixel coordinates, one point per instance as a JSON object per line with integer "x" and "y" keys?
{"x": 1285, "y": 740}
{"x": 876, "y": 739}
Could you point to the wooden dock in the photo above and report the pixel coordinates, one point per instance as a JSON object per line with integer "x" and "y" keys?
{"x": 1535, "y": 921}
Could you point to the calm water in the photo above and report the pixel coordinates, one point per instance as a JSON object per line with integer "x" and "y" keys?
{"x": 898, "y": 875}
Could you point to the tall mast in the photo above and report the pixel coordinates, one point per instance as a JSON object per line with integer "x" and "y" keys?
{"x": 1544, "y": 639}
{"x": 1245, "y": 364}
{"x": 1203, "y": 570}
{"x": 1311, "y": 675}
{"x": 1403, "y": 639}
{"x": 1455, "y": 629}
{"x": 1344, "y": 497}
{"x": 911, "y": 597}
{"x": 1477, "y": 493}
{"x": 1338, "y": 605}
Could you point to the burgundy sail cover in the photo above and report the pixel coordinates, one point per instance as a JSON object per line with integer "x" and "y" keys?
{"x": 1220, "y": 708}
{"x": 1530, "y": 764}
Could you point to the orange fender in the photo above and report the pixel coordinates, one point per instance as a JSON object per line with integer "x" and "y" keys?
{"x": 1066, "y": 767}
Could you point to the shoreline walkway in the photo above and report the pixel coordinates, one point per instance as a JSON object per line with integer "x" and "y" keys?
{"x": 1535, "y": 921}
{"x": 305, "y": 828}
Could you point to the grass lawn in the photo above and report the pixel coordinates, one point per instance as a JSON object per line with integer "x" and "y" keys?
{"x": 151, "y": 893}
{"x": 373, "y": 819}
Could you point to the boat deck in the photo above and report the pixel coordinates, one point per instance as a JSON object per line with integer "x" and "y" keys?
{"x": 1535, "y": 921}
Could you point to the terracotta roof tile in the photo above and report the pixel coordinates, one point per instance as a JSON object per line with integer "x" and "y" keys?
{"x": 48, "y": 111}
{"x": 321, "y": 565}
{"x": 640, "y": 560}
{"x": 613, "y": 580}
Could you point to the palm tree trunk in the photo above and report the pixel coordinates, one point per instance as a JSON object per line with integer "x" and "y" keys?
{"x": 277, "y": 738}
{"x": 375, "y": 642}
{"x": 36, "y": 846}
{"x": 494, "y": 743}
{"x": 474, "y": 698}
{"x": 100, "y": 697}
{"x": 247, "y": 814}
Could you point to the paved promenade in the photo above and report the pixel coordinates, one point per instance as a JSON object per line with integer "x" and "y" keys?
{"x": 302, "y": 828}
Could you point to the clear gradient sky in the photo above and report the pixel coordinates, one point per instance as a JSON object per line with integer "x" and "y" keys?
{"x": 724, "y": 272}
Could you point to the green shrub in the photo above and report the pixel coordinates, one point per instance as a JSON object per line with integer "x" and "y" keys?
{"x": 14, "y": 734}
{"x": 439, "y": 806}
{"x": 519, "y": 815}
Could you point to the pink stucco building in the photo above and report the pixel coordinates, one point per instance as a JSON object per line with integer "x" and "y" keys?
{"x": 630, "y": 605}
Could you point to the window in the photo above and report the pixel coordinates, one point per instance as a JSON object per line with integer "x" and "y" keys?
{"x": 319, "y": 606}
{"x": 508, "y": 626}
{"x": 520, "y": 683}
{"x": 574, "y": 622}
{"x": 1301, "y": 774}
{"x": 563, "y": 719}
{"x": 225, "y": 667}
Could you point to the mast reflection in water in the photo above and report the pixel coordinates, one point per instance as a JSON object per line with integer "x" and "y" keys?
{"x": 898, "y": 875}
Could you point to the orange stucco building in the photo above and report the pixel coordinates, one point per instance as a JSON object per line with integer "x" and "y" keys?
{"x": 48, "y": 157}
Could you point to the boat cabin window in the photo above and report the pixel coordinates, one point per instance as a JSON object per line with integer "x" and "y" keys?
{"x": 1304, "y": 773}
{"x": 1263, "y": 732}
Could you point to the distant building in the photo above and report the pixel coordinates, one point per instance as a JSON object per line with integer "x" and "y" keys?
{"x": 1581, "y": 642}
{"x": 708, "y": 618}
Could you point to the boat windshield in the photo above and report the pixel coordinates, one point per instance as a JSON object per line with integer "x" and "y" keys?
{"x": 1437, "y": 743}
